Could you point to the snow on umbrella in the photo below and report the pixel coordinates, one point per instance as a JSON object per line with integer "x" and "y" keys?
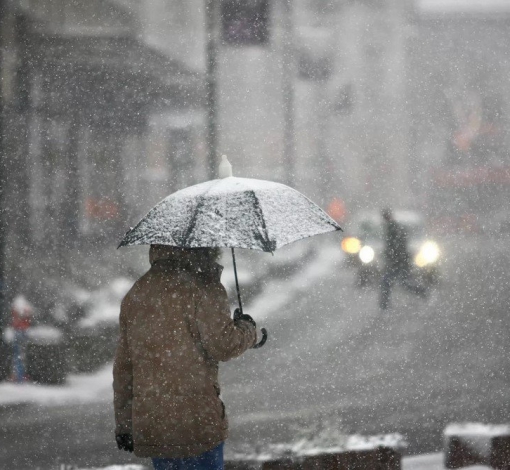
{"x": 231, "y": 212}
{"x": 234, "y": 213}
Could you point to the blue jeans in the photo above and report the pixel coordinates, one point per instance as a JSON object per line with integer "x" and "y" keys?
{"x": 210, "y": 460}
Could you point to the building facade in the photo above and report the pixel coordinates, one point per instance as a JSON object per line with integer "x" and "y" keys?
{"x": 85, "y": 149}
{"x": 459, "y": 67}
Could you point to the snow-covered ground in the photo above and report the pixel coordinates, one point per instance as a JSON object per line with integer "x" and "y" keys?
{"x": 87, "y": 388}
{"x": 97, "y": 387}
{"x": 116, "y": 467}
{"x": 79, "y": 388}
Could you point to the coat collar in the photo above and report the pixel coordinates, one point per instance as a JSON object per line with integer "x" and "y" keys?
{"x": 176, "y": 258}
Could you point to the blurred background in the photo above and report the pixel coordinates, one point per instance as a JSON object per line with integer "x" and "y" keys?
{"x": 107, "y": 106}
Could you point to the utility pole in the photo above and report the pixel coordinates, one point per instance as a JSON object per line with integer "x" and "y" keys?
{"x": 250, "y": 25}
{"x": 288, "y": 74}
{"x": 211, "y": 86}
{"x": 3, "y": 180}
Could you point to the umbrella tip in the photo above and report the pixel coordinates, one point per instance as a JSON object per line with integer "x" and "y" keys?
{"x": 225, "y": 168}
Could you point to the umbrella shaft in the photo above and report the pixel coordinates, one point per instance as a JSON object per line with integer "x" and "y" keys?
{"x": 237, "y": 282}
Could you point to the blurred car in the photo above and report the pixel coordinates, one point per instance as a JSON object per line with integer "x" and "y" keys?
{"x": 364, "y": 245}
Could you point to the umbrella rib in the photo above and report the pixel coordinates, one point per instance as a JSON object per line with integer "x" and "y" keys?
{"x": 193, "y": 221}
{"x": 129, "y": 233}
{"x": 269, "y": 245}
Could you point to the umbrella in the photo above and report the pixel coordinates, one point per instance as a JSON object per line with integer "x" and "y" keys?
{"x": 231, "y": 212}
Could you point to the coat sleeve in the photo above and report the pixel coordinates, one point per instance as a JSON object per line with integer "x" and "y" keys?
{"x": 122, "y": 380}
{"x": 221, "y": 337}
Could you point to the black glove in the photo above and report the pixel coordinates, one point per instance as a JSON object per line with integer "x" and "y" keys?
{"x": 125, "y": 442}
{"x": 242, "y": 316}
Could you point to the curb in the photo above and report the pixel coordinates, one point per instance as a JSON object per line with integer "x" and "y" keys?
{"x": 380, "y": 458}
{"x": 477, "y": 444}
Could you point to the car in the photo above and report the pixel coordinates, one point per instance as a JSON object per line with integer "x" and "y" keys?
{"x": 363, "y": 246}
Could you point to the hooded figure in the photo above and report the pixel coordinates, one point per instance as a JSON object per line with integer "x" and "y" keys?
{"x": 175, "y": 327}
{"x": 396, "y": 254}
{"x": 397, "y": 261}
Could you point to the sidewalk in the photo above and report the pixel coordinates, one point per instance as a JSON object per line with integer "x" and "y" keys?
{"x": 420, "y": 462}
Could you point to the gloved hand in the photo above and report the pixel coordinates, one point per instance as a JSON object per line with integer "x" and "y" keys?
{"x": 125, "y": 442}
{"x": 242, "y": 316}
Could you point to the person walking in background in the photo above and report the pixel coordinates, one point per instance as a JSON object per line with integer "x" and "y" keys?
{"x": 175, "y": 327}
{"x": 21, "y": 319}
{"x": 397, "y": 260}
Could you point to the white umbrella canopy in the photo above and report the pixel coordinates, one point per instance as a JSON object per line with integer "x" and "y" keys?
{"x": 231, "y": 212}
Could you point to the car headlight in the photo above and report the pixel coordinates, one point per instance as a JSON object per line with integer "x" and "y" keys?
{"x": 428, "y": 254}
{"x": 366, "y": 254}
{"x": 351, "y": 245}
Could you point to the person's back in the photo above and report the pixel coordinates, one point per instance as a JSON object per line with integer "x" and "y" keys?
{"x": 396, "y": 255}
{"x": 397, "y": 261}
{"x": 175, "y": 327}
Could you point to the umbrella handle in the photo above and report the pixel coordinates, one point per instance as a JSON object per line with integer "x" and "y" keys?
{"x": 262, "y": 330}
{"x": 263, "y": 340}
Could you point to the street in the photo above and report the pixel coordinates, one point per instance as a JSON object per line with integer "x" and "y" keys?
{"x": 333, "y": 365}
{"x": 336, "y": 362}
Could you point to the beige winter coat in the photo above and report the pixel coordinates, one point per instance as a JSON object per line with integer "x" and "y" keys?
{"x": 175, "y": 326}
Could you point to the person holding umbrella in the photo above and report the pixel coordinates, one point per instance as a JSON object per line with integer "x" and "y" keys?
{"x": 175, "y": 327}
{"x": 175, "y": 324}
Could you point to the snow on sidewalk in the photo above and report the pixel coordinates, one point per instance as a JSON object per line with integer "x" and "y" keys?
{"x": 79, "y": 388}
{"x": 417, "y": 462}
{"x": 116, "y": 467}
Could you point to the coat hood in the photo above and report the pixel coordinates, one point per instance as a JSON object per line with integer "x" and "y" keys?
{"x": 190, "y": 259}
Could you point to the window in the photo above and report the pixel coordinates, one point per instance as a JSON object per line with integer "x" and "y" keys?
{"x": 245, "y": 22}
